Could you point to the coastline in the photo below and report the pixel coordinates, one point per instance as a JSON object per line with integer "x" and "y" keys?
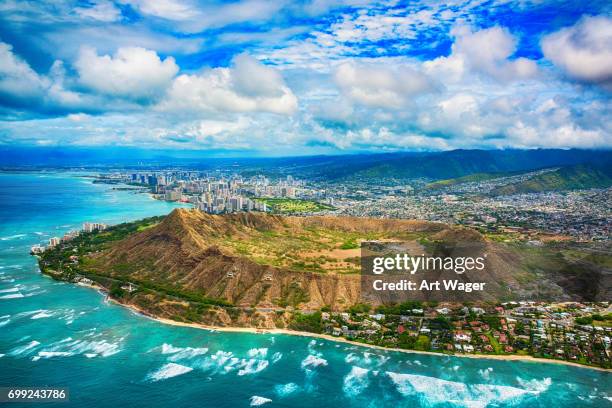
{"x": 286, "y": 332}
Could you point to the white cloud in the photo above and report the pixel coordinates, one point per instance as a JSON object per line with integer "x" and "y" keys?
{"x": 248, "y": 86}
{"x": 167, "y": 9}
{"x": 191, "y": 16}
{"x": 133, "y": 73}
{"x": 21, "y": 86}
{"x": 252, "y": 78}
{"x": 17, "y": 78}
{"x": 583, "y": 51}
{"x": 101, "y": 10}
{"x": 381, "y": 86}
{"x": 485, "y": 52}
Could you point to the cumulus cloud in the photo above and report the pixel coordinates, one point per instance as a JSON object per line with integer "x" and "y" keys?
{"x": 22, "y": 87}
{"x": 132, "y": 72}
{"x": 583, "y": 51}
{"x": 381, "y": 86}
{"x": 17, "y": 78}
{"x": 247, "y": 86}
{"x": 485, "y": 52}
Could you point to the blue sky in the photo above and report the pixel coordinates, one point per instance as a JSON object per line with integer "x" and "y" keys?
{"x": 306, "y": 77}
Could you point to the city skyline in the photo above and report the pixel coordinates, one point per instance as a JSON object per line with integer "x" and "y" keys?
{"x": 294, "y": 78}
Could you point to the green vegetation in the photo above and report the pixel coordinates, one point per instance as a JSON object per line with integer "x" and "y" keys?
{"x": 405, "y": 308}
{"x": 70, "y": 261}
{"x": 315, "y": 249}
{"x": 466, "y": 179}
{"x": 293, "y": 206}
{"x": 307, "y": 322}
{"x": 566, "y": 178}
{"x": 351, "y": 244}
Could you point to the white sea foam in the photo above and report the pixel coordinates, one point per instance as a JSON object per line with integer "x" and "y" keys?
{"x": 49, "y": 354}
{"x": 356, "y": 381}
{"x": 283, "y": 390}
{"x": 485, "y": 372}
{"x": 438, "y": 391}
{"x": 168, "y": 371}
{"x": 2, "y": 355}
{"x": 11, "y": 237}
{"x": 102, "y": 348}
{"x": 257, "y": 352}
{"x": 89, "y": 348}
{"x": 12, "y": 296}
{"x": 257, "y": 400}
{"x": 313, "y": 361}
{"x": 350, "y": 358}
{"x": 180, "y": 353}
{"x": 217, "y": 362}
{"x": 10, "y": 290}
{"x": 252, "y": 366}
{"x": 535, "y": 385}
{"x": 42, "y": 314}
{"x": 25, "y": 349}
{"x": 276, "y": 357}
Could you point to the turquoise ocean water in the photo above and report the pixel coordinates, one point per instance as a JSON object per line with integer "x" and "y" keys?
{"x": 57, "y": 334}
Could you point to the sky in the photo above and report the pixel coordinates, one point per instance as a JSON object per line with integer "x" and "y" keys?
{"x": 277, "y": 77}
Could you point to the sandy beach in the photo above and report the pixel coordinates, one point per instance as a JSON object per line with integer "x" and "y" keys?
{"x": 510, "y": 357}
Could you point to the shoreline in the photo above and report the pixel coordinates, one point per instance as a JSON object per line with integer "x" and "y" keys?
{"x": 287, "y": 332}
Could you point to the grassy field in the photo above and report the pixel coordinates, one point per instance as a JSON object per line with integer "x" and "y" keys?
{"x": 319, "y": 250}
{"x": 293, "y": 205}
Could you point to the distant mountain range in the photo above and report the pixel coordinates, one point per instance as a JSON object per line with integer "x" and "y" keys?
{"x": 578, "y": 177}
{"x": 401, "y": 165}
{"x": 456, "y": 163}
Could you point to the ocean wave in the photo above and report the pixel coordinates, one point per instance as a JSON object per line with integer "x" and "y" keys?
{"x": 25, "y": 349}
{"x": 90, "y": 348}
{"x": 535, "y": 385}
{"x": 485, "y": 372}
{"x": 10, "y": 290}
{"x": 258, "y": 352}
{"x": 257, "y": 400}
{"x": 252, "y": 366}
{"x": 283, "y": 390}
{"x": 434, "y": 390}
{"x": 168, "y": 371}
{"x": 100, "y": 348}
{"x": 356, "y": 381}
{"x": 50, "y": 354}
{"x": 11, "y": 237}
{"x": 313, "y": 361}
{"x": 180, "y": 353}
{"x": 367, "y": 359}
{"x": 216, "y": 362}
{"x": 12, "y": 296}
{"x": 350, "y": 358}
{"x": 276, "y": 357}
{"x": 43, "y": 314}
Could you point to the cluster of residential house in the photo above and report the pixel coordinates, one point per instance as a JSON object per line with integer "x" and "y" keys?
{"x": 526, "y": 328}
